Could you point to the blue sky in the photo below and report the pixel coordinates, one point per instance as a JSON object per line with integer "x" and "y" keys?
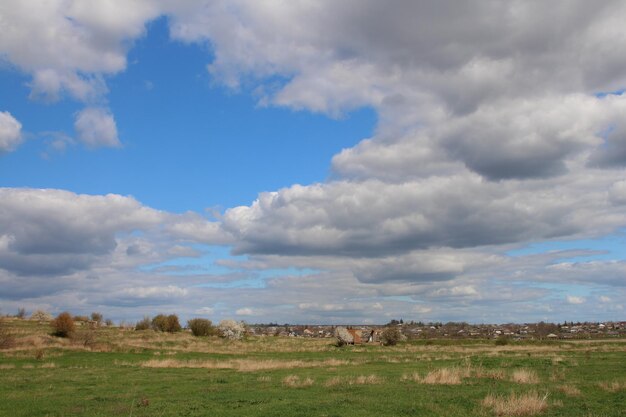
{"x": 290, "y": 163}
{"x": 188, "y": 143}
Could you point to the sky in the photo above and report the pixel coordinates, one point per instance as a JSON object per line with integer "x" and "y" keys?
{"x": 314, "y": 162}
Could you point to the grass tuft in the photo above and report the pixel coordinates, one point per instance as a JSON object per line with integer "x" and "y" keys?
{"x": 569, "y": 390}
{"x": 445, "y": 376}
{"x": 497, "y": 374}
{"x": 613, "y": 386}
{"x": 528, "y": 404}
{"x": 524, "y": 376}
{"x": 294, "y": 381}
{"x": 359, "y": 380}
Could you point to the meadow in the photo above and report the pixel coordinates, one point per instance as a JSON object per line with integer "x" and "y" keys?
{"x": 112, "y": 371}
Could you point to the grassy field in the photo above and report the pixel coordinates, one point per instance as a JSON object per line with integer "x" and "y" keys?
{"x": 115, "y": 372}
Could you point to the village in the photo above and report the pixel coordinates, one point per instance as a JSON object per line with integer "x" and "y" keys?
{"x": 453, "y": 330}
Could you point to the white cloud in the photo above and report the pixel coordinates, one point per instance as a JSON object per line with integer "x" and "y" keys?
{"x": 617, "y": 192}
{"x": 205, "y": 311}
{"x": 10, "y": 132}
{"x": 96, "y": 128}
{"x": 377, "y": 218}
{"x": 605, "y": 299}
{"x": 490, "y": 137}
{"x": 154, "y": 292}
{"x": 573, "y": 299}
{"x": 56, "y": 232}
{"x": 71, "y": 43}
{"x": 422, "y": 310}
{"x": 245, "y": 312}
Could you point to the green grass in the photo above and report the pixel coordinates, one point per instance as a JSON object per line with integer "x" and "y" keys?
{"x": 107, "y": 379}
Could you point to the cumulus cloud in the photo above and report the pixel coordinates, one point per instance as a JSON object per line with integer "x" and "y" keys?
{"x": 71, "y": 44}
{"x": 573, "y": 299}
{"x": 96, "y": 128}
{"x": 377, "y": 218}
{"x": 205, "y": 311}
{"x": 57, "y": 232}
{"x": 154, "y": 292}
{"x": 246, "y": 311}
{"x": 10, "y": 132}
{"x": 494, "y": 132}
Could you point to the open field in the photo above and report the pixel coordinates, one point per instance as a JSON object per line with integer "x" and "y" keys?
{"x": 115, "y": 372}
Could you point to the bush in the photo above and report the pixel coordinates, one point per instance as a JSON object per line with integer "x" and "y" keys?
{"x": 87, "y": 337}
{"x": 343, "y": 336}
{"x": 108, "y": 322}
{"x": 81, "y": 318}
{"x": 173, "y": 325}
{"x": 41, "y": 315}
{"x": 201, "y": 327}
{"x": 144, "y": 324}
{"x": 63, "y": 325}
{"x": 21, "y": 313}
{"x": 165, "y": 323}
{"x": 97, "y": 317}
{"x": 230, "y": 329}
{"x": 502, "y": 341}
{"x": 390, "y": 336}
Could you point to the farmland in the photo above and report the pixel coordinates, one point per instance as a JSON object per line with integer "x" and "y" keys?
{"x": 112, "y": 371}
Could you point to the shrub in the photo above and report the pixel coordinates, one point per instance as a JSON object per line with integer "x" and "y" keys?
{"x": 21, "y": 313}
{"x": 343, "y": 336}
{"x": 230, "y": 329}
{"x": 165, "y": 323}
{"x": 502, "y": 341}
{"x": 390, "y": 336}
{"x": 86, "y": 338}
{"x": 108, "y": 322}
{"x": 63, "y": 325}
{"x": 144, "y": 324}
{"x": 201, "y": 327}
{"x": 159, "y": 322}
{"x": 81, "y": 318}
{"x": 173, "y": 325}
{"x": 40, "y": 316}
{"x": 97, "y": 317}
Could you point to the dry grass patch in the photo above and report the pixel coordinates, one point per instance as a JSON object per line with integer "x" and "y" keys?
{"x": 241, "y": 365}
{"x": 264, "y": 378}
{"x": 613, "y": 386}
{"x": 366, "y": 380}
{"x": 497, "y": 374}
{"x": 524, "y": 376}
{"x": 174, "y": 363}
{"x": 569, "y": 390}
{"x": 48, "y": 365}
{"x": 358, "y": 380}
{"x": 528, "y": 404}
{"x": 334, "y": 381}
{"x": 294, "y": 381}
{"x": 414, "y": 377}
{"x": 7, "y": 366}
{"x": 251, "y": 365}
{"x": 443, "y": 376}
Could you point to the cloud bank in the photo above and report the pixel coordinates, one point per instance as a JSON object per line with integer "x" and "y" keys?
{"x": 500, "y": 125}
